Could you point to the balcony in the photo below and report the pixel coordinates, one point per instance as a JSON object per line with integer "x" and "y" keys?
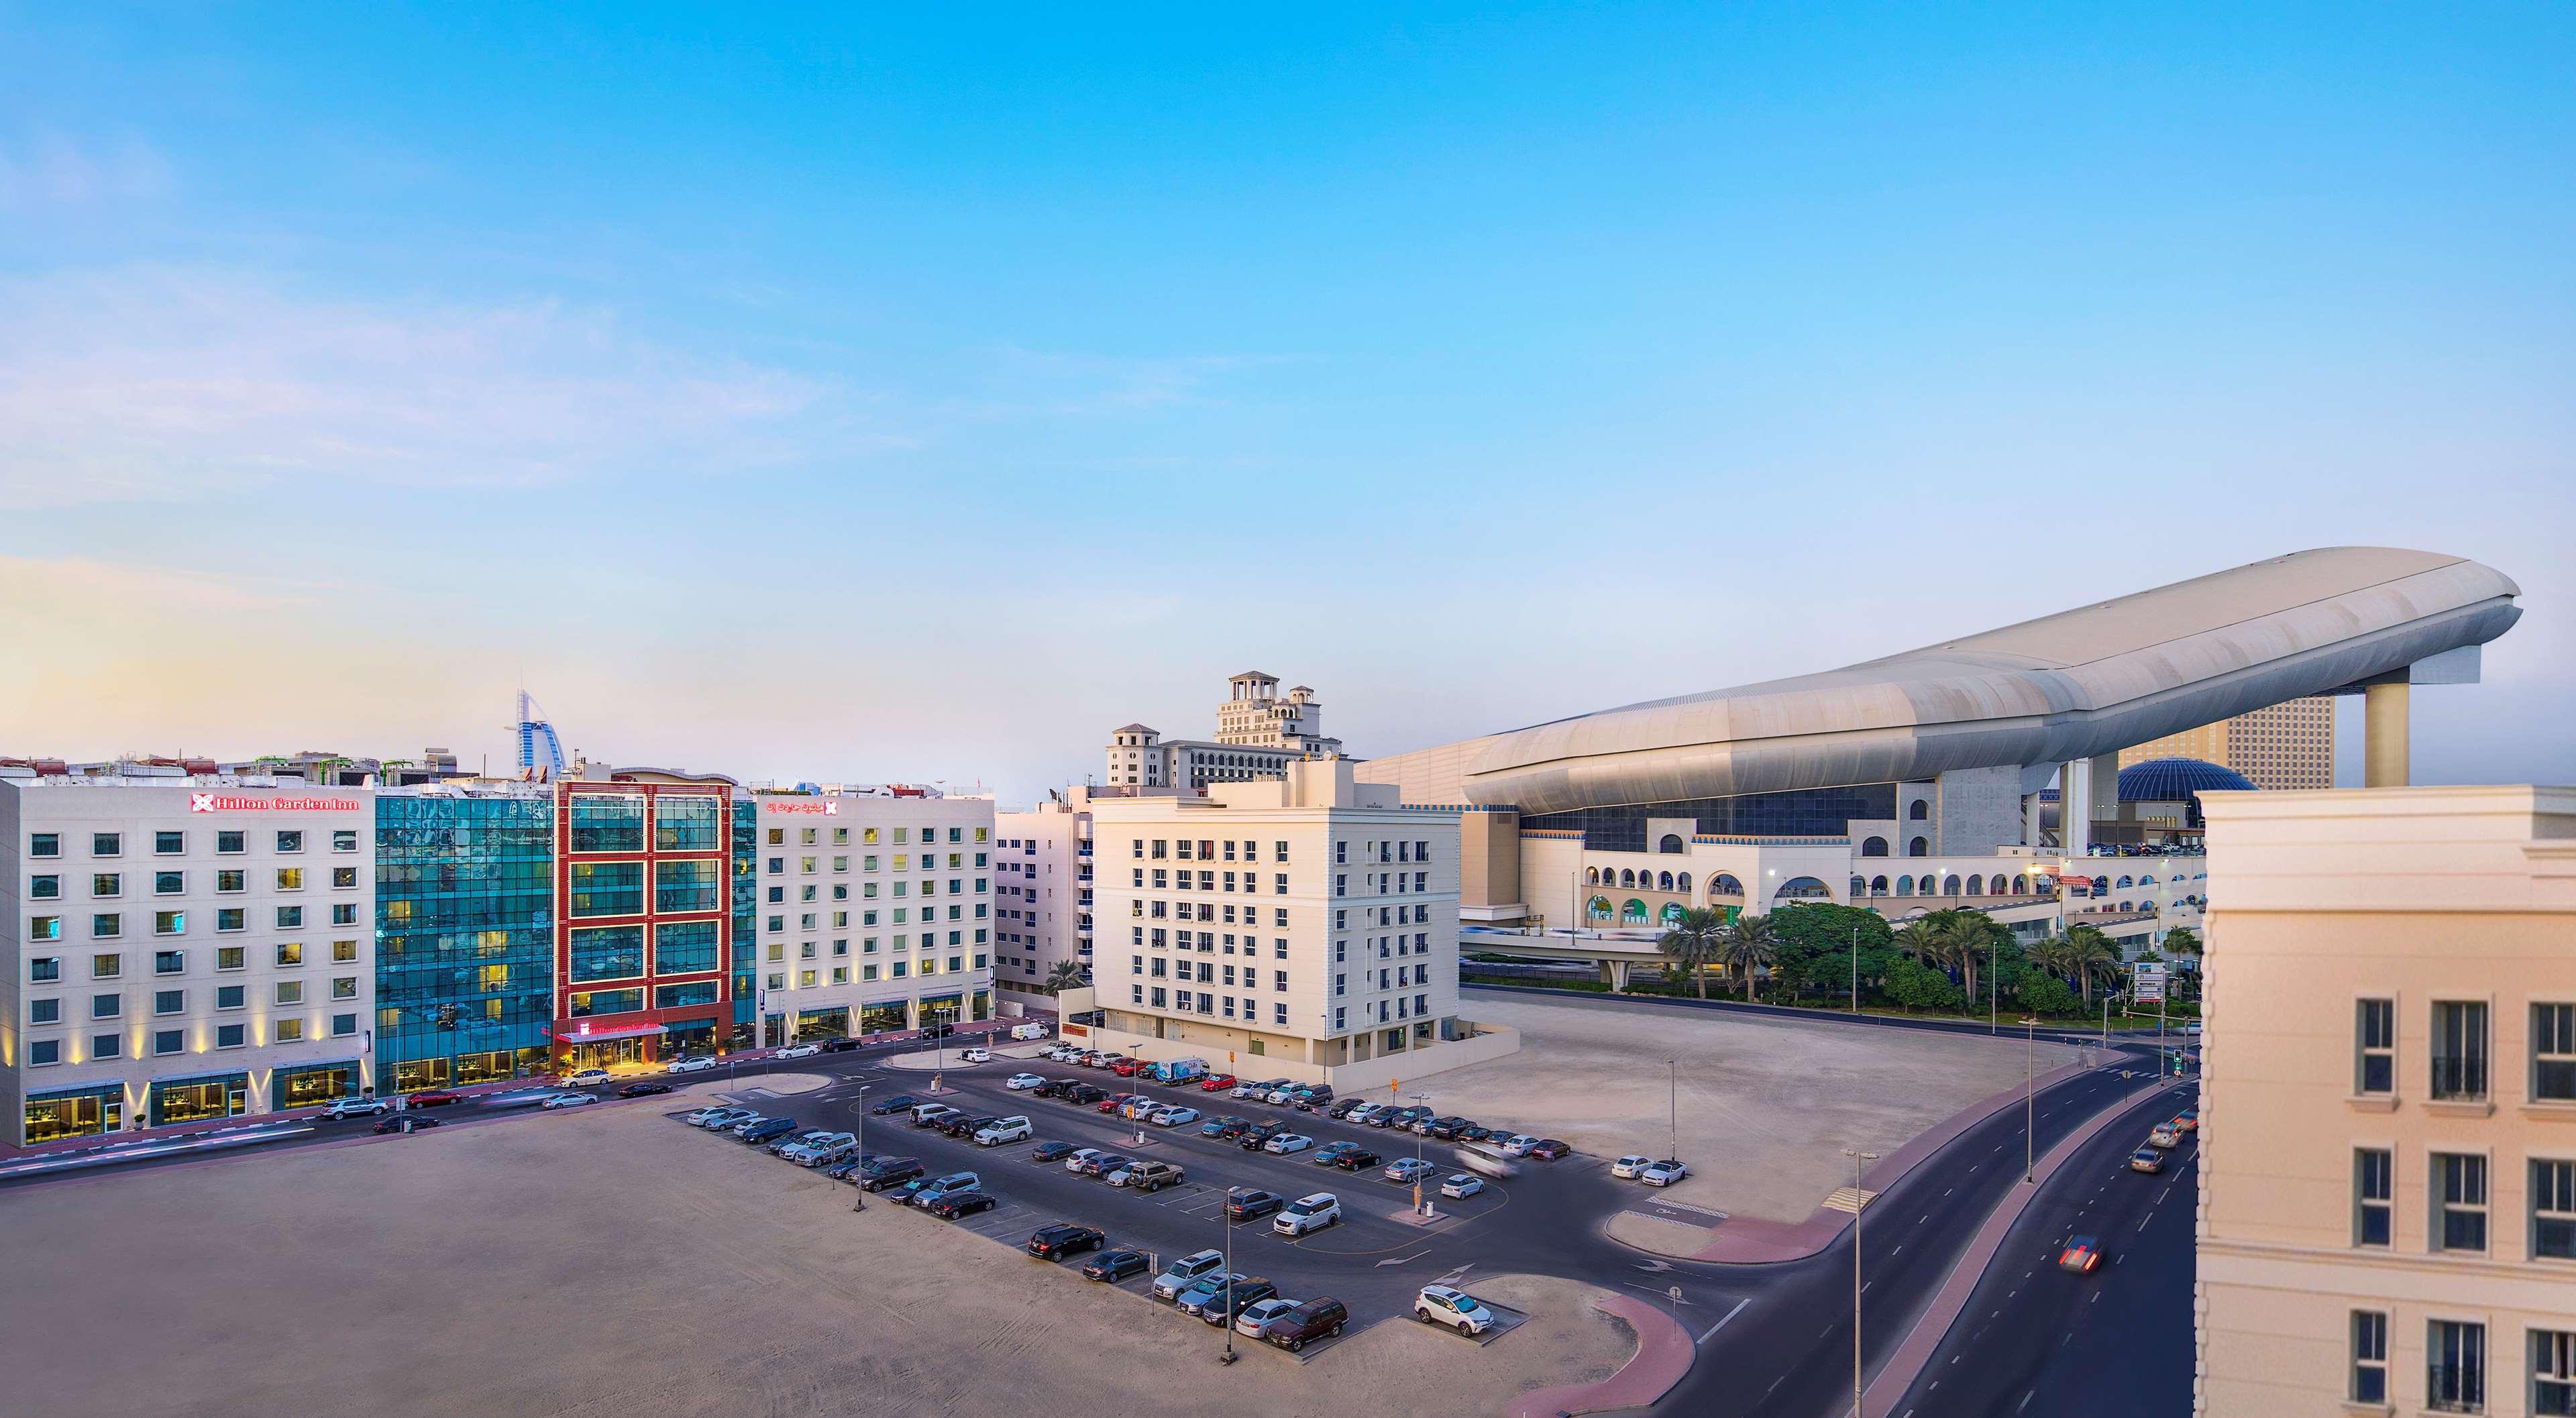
{"x": 2459, "y": 1080}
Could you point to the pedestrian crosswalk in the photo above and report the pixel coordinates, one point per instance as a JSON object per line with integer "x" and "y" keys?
{"x": 1850, "y": 1199}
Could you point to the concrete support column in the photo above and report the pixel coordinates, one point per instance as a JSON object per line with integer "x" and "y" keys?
{"x": 2030, "y": 828}
{"x": 2106, "y": 787}
{"x": 2075, "y": 806}
{"x": 2384, "y": 734}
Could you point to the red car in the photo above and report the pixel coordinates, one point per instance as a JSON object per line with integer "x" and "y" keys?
{"x": 1126, "y": 1068}
{"x": 435, "y": 1098}
{"x": 1216, "y": 1083}
{"x": 1115, "y": 1101}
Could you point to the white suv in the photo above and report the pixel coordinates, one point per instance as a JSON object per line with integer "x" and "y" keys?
{"x": 356, "y": 1108}
{"x": 1307, "y": 1213}
{"x": 1007, "y": 1130}
{"x": 1438, "y": 1304}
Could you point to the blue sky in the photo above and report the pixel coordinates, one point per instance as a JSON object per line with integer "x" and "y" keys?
{"x": 919, "y": 396}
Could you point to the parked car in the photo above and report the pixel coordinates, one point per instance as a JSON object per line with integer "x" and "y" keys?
{"x": 1253, "y": 1139}
{"x": 1343, "y": 1108}
{"x": 1547, "y": 1149}
{"x": 1116, "y": 1265}
{"x": 977, "y": 1055}
{"x": 1217, "y": 1082}
{"x": 1007, "y": 1130}
{"x": 820, "y": 1151}
{"x": 778, "y": 1145}
{"x": 851, "y": 1164}
{"x": 1441, "y": 1304}
{"x": 928, "y": 1114}
{"x": 1361, "y": 1112}
{"x": 798, "y": 1051}
{"x": 719, "y": 1117}
{"x": 896, "y": 1104}
{"x": 1126, "y": 1068}
{"x": 339, "y": 1108}
{"x": 1105, "y": 1163}
{"x": 1305, "y": 1322}
{"x": 1313, "y": 1212}
{"x": 1145, "y": 1176}
{"x": 1226, "y": 1128}
{"x": 937, "y": 1187}
{"x": 1172, "y": 1117}
{"x": 765, "y": 1131}
{"x": 890, "y": 1172}
{"x": 1251, "y": 1203}
{"x": 1358, "y": 1159}
{"x": 694, "y": 1063}
{"x": 1406, "y": 1169}
{"x": 1229, "y": 1303}
{"x": 1259, "y": 1313}
{"x": 965, "y": 1125}
{"x": 1186, "y": 1272}
{"x": 1515, "y": 1144}
{"x": 1662, "y": 1174}
{"x": 1332, "y": 1152}
{"x": 643, "y": 1090}
{"x": 1064, "y": 1239}
{"x": 1081, "y": 1157}
{"x": 1205, "y": 1290}
{"x": 402, "y": 1123}
{"x": 1458, "y": 1186}
{"x": 1627, "y": 1167}
{"x": 432, "y": 1098}
{"x": 1051, "y": 1152}
{"x": 570, "y": 1100}
{"x": 2082, "y": 1255}
{"x": 949, "y": 1206}
{"x": 1020, "y": 1082}
{"x": 2149, "y": 1160}
{"x": 842, "y": 1045}
{"x": 1279, "y": 1095}
{"x": 748, "y": 1121}
{"x": 583, "y": 1078}
{"x": 1084, "y": 1095}
{"x": 1288, "y": 1142}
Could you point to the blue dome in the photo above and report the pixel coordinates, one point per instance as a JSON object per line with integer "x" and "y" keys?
{"x": 2174, "y": 780}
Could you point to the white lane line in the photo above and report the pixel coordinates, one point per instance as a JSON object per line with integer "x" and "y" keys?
{"x": 2025, "y": 1400}
{"x": 1721, "y": 1324}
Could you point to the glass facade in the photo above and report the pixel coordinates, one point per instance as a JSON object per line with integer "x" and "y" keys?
{"x": 77, "y": 1112}
{"x": 312, "y": 1085}
{"x": 606, "y": 889}
{"x": 684, "y": 947}
{"x": 746, "y": 910}
{"x": 686, "y": 824}
{"x": 608, "y": 953}
{"x": 683, "y": 996}
{"x": 188, "y": 1100}
{"x": 1809, "y": 812}
{"x": 688, "y": 886}
{"x": 885, "y": 1015}
{"x": 608, "y": 822}
{"x": 464, "y": 938}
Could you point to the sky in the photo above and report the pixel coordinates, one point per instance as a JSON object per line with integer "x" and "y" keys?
{"x": 917, "y": 396}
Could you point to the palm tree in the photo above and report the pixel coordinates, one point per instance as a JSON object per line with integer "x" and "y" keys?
{"x": 1067, "y": 975}
{"x": 2056, "y": 955}
{"x": 1696, "y": 938}
{"x": 1750, "y": 943}
{"x": 2091, "y": 957}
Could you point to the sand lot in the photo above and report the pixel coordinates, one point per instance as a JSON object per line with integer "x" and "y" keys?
{"x": 609, "y": 1262}
{"x": 1766, "y": 1103}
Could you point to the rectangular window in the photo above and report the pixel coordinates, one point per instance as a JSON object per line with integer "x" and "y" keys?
{"x": 106, "y": 1006}
{"x": 605, "y": 1002}
{"x": 2459, "y": 1201}
{"x": 344, "y": 951}
{"x": 44, "y": 844}
{"x": 169, "y": 1001}
{"x": 106, "y": 844}
{"x": 2455, "y": 1379}
{"x": 344, "y": 840}
{"x": 45, "y": 1011}
{"x": 228, "y": 957}
{"x": 607, "y": 888}
{"x": 343, "y": 1025}
{"x": 2553, "y": 1053}
{"x": 2553, "y": 1209}
{"x": 106, "y": 967}
{"x": 169, "y": 962}
{"x": 107, "y": 925}
{"x": 45, "y": 928}
{"x": 290, "y": 1031}
{"x": 229, "y": 843}
{"x": 229, "y": 881}
{"x": 344, "y": 987}
{"x": 2553, "y": 1373}
{"x": 344, "y": 876}
{"x": 290, "y": 918}
{"x": 290, "y": 841}
{"x": 44, "y": 888}
{"x": 2460, "y": 1050}
{"x": 168, "y": 1041}
{"x": 2373, "y": 1194}
{"x": 290, "y": 992}
{"x": 169, "y": 883}
{"x": 106, "y": 1046}
{"x": 290, "y": 952}
{"x": 228, "y": 1036}
{"x": 169, "y": 923}
{"x": 228, "y": 918}
{"x": 290, "y": 878}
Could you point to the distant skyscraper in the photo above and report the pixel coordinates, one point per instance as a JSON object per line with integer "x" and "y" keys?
{"x": 2286, "y": 746}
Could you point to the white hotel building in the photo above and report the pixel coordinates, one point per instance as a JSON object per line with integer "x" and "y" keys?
{"x": 180, "y": 946}
{"x": 1042, "y": 888}
{"x": 875, "y": 911}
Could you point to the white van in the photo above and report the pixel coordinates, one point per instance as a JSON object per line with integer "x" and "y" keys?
{"x": 1028, "y": 1031}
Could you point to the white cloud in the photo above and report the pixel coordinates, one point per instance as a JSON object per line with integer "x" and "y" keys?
{"x": 56, "y": 171}
{"x": 157, "y": 383}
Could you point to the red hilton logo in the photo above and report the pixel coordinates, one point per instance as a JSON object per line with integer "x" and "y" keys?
{"x": 826, "y": 809}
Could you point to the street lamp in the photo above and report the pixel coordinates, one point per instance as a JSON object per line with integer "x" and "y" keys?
{"x": 1418, "y": 1100}
{"x": 1673, "y": 1109}
{"x": 1227, "y": 1266}
{"x": 859, "y": 1137}
{"x": 1855, "y": 964}
{"x": 2030, "y": 1106}
{"x": 1857, "y": 1158}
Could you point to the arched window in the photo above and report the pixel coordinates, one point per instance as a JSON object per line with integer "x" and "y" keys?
{"x": 1802, "y": 888}
{"x": 1633, "y": 914}
{"x": 1949, "y": 886}
{"x": 1873, "y": 847}
{"x": 2124, "y": 883}
{"x": 1681, "y": 883}
{"x": 1878, "y": 886}
{"x": 1726, "y": 885}
{"x": 1905, "y": 886}
{"x": 1627, "y": 878}
{"x": 1976, "y": 885}
{"x": 1859, "y": 887}
{"x": 1919, "y": 847}
{"x": 1918, "y": 811}
{"x": 1592, "y": 876}
{"x": 2146, "y": 881}
{"x": 1599, "y": 910}
{"x": 1668, "y": 843}
{"x": 2021, "y": 886}
{"x": 1663, "y": 881}
{"x": 2101, "y": 885}
{"x": 1672, "y": 912}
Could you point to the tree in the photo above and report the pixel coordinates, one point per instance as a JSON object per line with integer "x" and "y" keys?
{"x": 1067, "y": 975}
{"x": 2182, "y": 940}
{"x": 1916, "y": 985}
{"x": 1812, "y": 942}
{"x": 2045, "y": 994}
{"x": 1749, "y": 944}
{"x": 1697, "y": 937}
{"x": 2091, "y": 958}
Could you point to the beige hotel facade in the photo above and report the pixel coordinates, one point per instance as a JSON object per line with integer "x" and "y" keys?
{"x": 2387, "y": 1218}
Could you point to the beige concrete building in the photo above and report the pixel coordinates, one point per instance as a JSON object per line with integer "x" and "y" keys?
{"x": 1259, "y": 731}
{"x": 1042, "y": 880}
{"x": 2388, "y": 1180}
{"x": 2286, "y": 746}
{"x": 1309, "y": 920}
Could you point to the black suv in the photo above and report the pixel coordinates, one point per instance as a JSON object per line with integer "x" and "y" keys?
{"x": 1064, "y": 1239}
{"x": 889, "y": 1172}
{"x": 1357, "y": 1161}
{"x": 1249, "y": 1203}
{"x": 896, "y": 1104}
{"x": 966, "y": 1124}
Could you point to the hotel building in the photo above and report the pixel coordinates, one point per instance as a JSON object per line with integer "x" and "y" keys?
{"x": 1042, "y": 891}
{"x": 179, "y": 945}
{"x": 2278, "y": 747}
{"x": 873, "y": 910}
{"x": 1259, "y": 732}
{"x": 2387, "y": 1215}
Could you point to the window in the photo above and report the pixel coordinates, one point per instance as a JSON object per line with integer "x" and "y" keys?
{"x": 106, "y": 1046}
{"x": 290, "y": 992}
{"x": 169, "y": 1001}
{"x": 106, "y": 844}
{"x": 2553, "y": 1052}
{"x": 2459, "y": 1050}
{"x": 2373, "y": 1194}
{"x": 290, "y": 952}
{"x": 169, "y": 883}
{"x": 290, "y": 841}
{"x": 45, "y": 967}
{"x": 228, "y": 957}
{"x": 228, "y": 1036}
{"x": 227, "y": 881}
{"x": 290, "y": 1031}
{"x": 169, "y": 962}
{"x": 2455, "y": 1363}
{"x": 228, "y": 842}
{"x": 168, "y": 1041}
{"x": 107, "y": 924}
{"x": 169, "y": 844}
{"x": 2369, "y": 1357}
{"x": 2553, "y": 1209}
{"x": 229, "y": 996}
{"x": 2459, "y": 1201}
{"x": 44, "y": 888}
{"x": 106, "y": 967}
{"x": 344, "y": 876}
{"x": 290, "y": 878}
{"x": 344, "y": 987}
{"x": 343, "y": 1025}
{"x": 228, "y": 918}
{"x": 106, "y": 1006}
{"x": 45, "y": 1011}
{"x": 344, "y": 951}
{"x": 169, "y": 923}
{"x": 344, "y": 840}
{"x": 44, "y": 928}
{"x": 290, "y": 918}
{"x": 44, "y": 844}
{"x": 107, "y": 883}
{"x": 43, "y": 1053}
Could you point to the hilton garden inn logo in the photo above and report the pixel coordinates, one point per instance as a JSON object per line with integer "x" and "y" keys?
{"x": 225, "y": 802}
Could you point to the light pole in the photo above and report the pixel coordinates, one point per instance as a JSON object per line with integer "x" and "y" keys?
{"x": 859, "y": 1137}
{"x": 1418, "y": 1100}
{"x": 1857, "y": 1158}
{"x": 2030, "y": 1108}
{"x": 1855, "y": 964}
{"x": 1228, "y": 1266}
{"x": 1673, "y": 1109}
{"x": 1994, "y": 990}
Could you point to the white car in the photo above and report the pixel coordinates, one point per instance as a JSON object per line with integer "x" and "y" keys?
{"x": 1461, "y": 1185}
{"x": 1174, "y": 1117}
{"x": 1020, "y": 1082}
{"x": 1259, "y": 1313}
{"x": 1363, "y": 1113}
{"x": 1517, "y": 1145}
{"x": 977, "y": 1056}
{"x": 1007, "y": 1130}
{"x": 717, "y": 1117}
{"x": 569, "y": 1100}
{"x": 1275, "y": 1095}
{"x": 1185, "y": 1272}
{"x": 699, "y": 1064}
{"x": 1288, "y": 1142}
{"x": 1662, "y": 1174}
{"x": 1627, "y": 1168}
{"x": 816, "y": 1149}
{"x": 356, "y": 1108}
{"x": 1073, "y": 1160}
{"x": 1439, "y": 1304}
{"x": 1307, "y": 1213}
{"x": 585, "y": 1078}
{"x": 798, "y": 1051}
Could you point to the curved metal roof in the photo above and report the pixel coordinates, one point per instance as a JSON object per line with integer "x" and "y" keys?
{"x": 2172, "y": 780}
{"x": 2071, "y": 685}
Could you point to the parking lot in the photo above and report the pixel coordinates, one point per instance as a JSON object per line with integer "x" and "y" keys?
{"x": 610, "y": 1259}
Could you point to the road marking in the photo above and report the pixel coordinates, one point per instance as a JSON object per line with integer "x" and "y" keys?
{"x": 2097, "y": 1298}
{"x": 1721, "y": 1324}
{"x": 1406, "y": 1260}
{"x": 2025, "y": 1400}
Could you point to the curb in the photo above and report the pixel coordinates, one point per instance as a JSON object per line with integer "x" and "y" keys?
{"x": 1664, "y": 1354}
{"x": 1906, "y": 1365}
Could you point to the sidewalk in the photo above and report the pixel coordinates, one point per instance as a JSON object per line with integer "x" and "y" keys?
{"x": 1664, "y": 1354}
